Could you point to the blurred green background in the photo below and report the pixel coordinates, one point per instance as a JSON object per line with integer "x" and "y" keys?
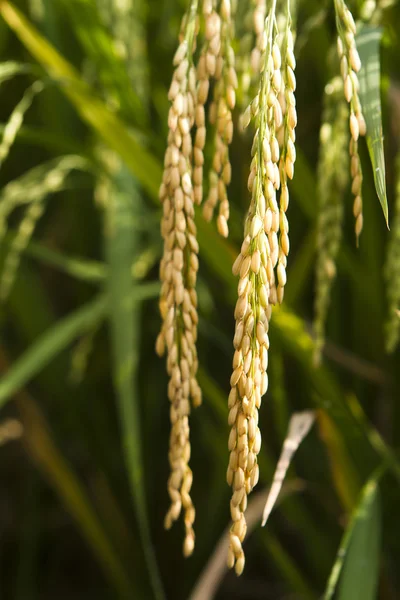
{"x": 83, "y": 105}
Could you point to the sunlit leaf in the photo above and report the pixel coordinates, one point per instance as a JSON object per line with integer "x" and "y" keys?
{"x": 344, "y": 475}
{"x": 38, "y": 136}
{"x": 368, "y": 42}
{"x": 49, "y": 345}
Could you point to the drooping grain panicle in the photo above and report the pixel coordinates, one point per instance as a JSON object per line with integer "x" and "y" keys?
{"x": 255, "y": 266}
{"x": 206, "y": 69}
{"x": 178, "y": 272}
{"x": 287, "y": 102}
{"x": 350, "y": 64}
{"x": 392, "y": 273}
{"x": 371, "y": 11}
{"x": 333, "y": 176}
{"x": 221, "y": 108}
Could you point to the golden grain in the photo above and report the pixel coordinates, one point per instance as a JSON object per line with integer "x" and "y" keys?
{"x": 350, "y": 64}
{"x": 178, "y": 268}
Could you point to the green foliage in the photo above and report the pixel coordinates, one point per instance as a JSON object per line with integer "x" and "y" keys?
{"x": 88, "y": 149}
{"x": 121, "y": 201}
{"x": 357, "y": 563}
{"x": 361, "y": 566}
{"x": 368, "y": 42}
{"x": 333, "y": 180}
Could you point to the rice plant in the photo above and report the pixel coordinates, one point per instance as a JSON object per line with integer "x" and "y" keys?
{"x": 231, "y": 162}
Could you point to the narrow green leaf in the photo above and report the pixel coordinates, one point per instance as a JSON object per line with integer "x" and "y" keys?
{"x": 357, "y": 562}
{"x": 79, "y": 268}
{"x": 47, "y": 139}
{"x": 55, "y": 340}
{"x": 388, "y": 456}
{"x": 121, "y": 246}
{"x": 368, "y": 41}
{"x": 49, "y": 345}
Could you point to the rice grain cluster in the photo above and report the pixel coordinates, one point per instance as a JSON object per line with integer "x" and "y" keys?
{"x": 350, "y": 64}
{"x": 178, "y": 273}
{"x": 261, "y": 267}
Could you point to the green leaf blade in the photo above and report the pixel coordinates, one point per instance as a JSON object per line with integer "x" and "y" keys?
{"x": 51, "y": 343}
{"x": 368, "y": 42}
{"x": 358, "y": 557}
{"x": 121, "y": 246}
{"x": 58, "y": 338}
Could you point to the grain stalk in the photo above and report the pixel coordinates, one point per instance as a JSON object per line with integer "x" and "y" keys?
{"x": 333, "y": 179}
{"x": 350, "y": 65}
